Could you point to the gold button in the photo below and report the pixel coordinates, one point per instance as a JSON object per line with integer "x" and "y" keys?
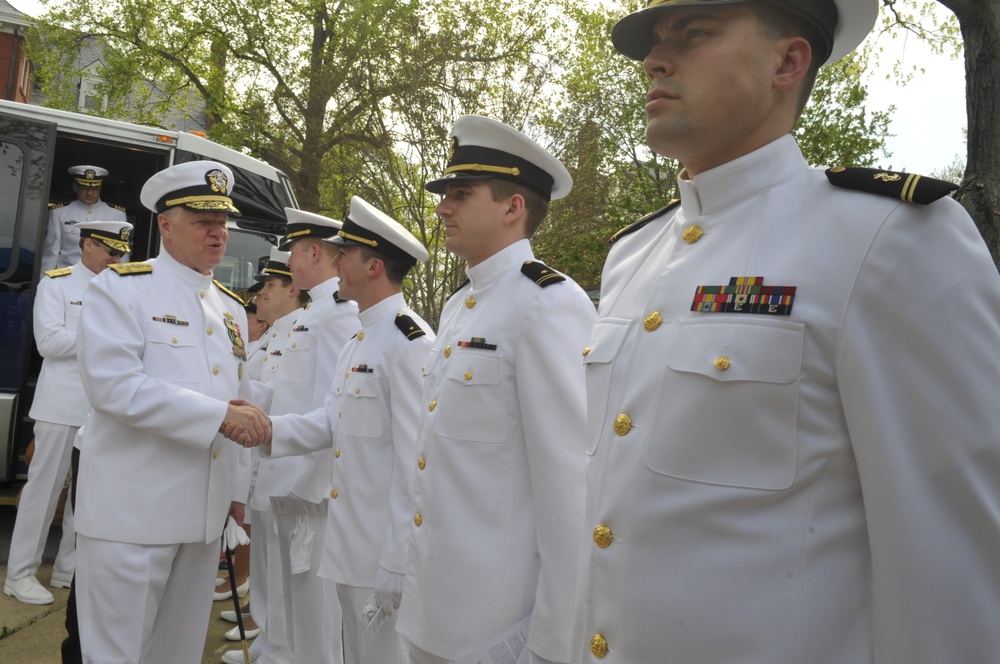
{"x": 623, "y": 424}
{"x": 347, "y": 375}
{"x": 208, "y": 331}
{"x": 334, "y": 494}
{"x": 421, "y": 463}
{"x": 294, "y": 346}
{"x": 341, "y": 413}
{"x": 361, "y": 335}
{"x": 652, "y": 321}
{"x": 201, "y": 294}
{"x": 722, "y": 363}
{"x": 586, "y": 351}
{"x": 215, "y": 371}
{"x": 336, "y": 453}
{"x": 470, "y": 302}
{"x": 432, "y": 406}
{"x": 692, "y": 234}
{"x": 417, "y": 519}
{"x": 357, "y": 390}
{"x": 598, "y": 646}
{"x": 215, "y": 454}
{"x": 173, "y": 340}
{"x": 602, "y": 536}
{"x": 468, "y": 375}
{"x": 447, "y": 351}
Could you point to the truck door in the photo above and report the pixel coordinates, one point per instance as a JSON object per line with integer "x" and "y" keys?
{"x": 26, "y": 152}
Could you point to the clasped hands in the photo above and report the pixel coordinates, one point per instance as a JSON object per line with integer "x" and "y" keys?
{"x": 246, "y": 424}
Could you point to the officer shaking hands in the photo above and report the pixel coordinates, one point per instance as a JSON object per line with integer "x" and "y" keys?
{"x": 161, "y": 351}
{"x": 792, "y": 381}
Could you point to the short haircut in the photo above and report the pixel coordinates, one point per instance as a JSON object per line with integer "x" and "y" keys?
{"x": 779, "y": 23}
{"x": 535, "y": 205}
{"x": 286, "y": 282}
{"x": 395, "y": 269}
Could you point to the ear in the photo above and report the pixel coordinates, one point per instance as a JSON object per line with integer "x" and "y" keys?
{"x": 163, "y": 222}
{"x": 796, "y": 56}
{"x": 376, "y": 266}
{"x": 515, "y": 209}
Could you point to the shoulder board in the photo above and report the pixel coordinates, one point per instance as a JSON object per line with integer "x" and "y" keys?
{"x": 53, "y": 206}
{"x": 136, "y": 267}
{"x": 632, "y": 228}
{"x": 904, "y": 186}
{"x": 59, "y": 272}
{"x": 541, "y": 274}
{"x": 408, "y": 327}
{"x": 228, "y": 292}
{"x": 337, "y": 298}
{"x": 460, "y": 287}
{"x": 120, "y": 208}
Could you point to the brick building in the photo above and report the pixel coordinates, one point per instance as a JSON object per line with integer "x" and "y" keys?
{"x": 15, "y": 69}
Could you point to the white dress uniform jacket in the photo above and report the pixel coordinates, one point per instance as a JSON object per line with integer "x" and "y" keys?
{"x": 498, "y": 490}
{"x": 373, "y": 412}
{"x": 59, "y": 395}
{"x": 813, "y": 487}
{"x": 159, "y": 367}
{"x": 62, "y": 238}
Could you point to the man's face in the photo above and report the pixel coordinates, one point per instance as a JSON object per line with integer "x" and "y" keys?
{"x": 276, "y": 299}
{"x": 96, "y": 256}
{"x": 256, "y": 326}
{"x": 194, "y": 238}
{"x": 474, "y": 224}
{"x": 87, "y": 195}
{"x": 351, "y": 268}
{"x": 710, "y": 91}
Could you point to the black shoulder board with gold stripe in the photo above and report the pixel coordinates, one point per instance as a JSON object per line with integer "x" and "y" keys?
{"x": 408, "y": 327}
{"x": 59, "y": 272}
{"x": 53, "y": 206}
{"x": 228, "y": 292}
{"x": 127, "y": 269}
{"x": 632, "y": 228}
{"x": 120, "y": 208}
{"x": 541, "y": 274}
{"x": 337, "y": 298}
{"x": 904, "y": 186}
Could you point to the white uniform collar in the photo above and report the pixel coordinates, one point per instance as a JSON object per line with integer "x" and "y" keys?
{"x": 84, "y": 270}
{"x": 741, "y": 178}
{"x": 383, "y": 309}
{"x": 186, "y": 274}
{"x": 500, "y": 263}
{"x": 324, "y": 290}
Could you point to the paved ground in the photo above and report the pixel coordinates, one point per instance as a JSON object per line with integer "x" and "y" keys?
{"x": 33, "y": 634}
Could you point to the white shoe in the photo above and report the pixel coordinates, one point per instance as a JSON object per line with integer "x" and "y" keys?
{"x": 241, "y": 591}
{"x": 27, "y": 590}
{"x": 234, "y": 633}
{"x": 230, "y": 616}
{"x": 61, "y": 579}
{"x": 236, "y": 657}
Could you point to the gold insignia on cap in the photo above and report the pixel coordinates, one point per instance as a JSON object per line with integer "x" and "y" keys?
{"x": 888, "y": 177}
{"x": 217, "y": 180}
{"x": 90, "y": 174}
{"x": 451, "y": 152}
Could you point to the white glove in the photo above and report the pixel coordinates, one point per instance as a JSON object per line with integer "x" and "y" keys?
{"x": 388, "y": 590}
{"x": 371, "y": 608}
{"x": 233, "y": 535}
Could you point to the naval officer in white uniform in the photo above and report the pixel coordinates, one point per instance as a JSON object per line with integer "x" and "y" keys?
{"x": 792, "y": 381}
{"x": 498, "y": 490}
{"x": 370, "y": 420}
{"x": 161, "y": 353}
{"x": 59, "y": 409}
{"x": 62, "y": 237}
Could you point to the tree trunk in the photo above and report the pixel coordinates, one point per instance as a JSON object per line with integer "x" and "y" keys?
{"x": 980, "y": 190}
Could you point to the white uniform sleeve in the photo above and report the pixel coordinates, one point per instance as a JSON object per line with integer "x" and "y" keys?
{"x": 919, "y": 375}
{"x": 52, "y": 336}
{"x": 53, "y": 240}
{"x": 297, "y": 435}
{"x": 551, "y": 389}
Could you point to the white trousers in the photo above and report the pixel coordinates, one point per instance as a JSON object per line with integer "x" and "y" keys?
{"x": 143, "y": 604}
{"x": 311, "y": 606}
{"x": 267, "y": 607}
{"x": 385, "y": 648}
{"x": 46, "y": 478}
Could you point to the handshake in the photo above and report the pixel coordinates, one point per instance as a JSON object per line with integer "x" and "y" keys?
{"x": 246, "y": 424}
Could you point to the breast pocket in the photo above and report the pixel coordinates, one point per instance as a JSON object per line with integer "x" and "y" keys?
{"x": 606, "y": 340}
{"x": 362, "y": 407}
{"x": 296, "y": 363}
{"x": 728, "y": 409}
{"x": 172, "y": 353}
{"x": 472, "y": 400}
